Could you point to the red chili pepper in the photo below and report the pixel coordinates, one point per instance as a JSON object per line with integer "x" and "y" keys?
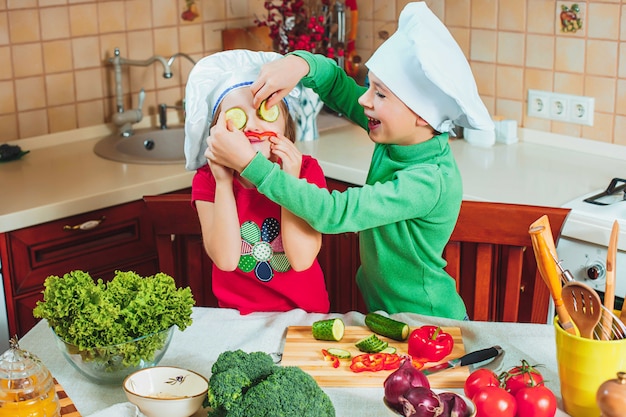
{"x": 430, "y": 342}
{"x": 329, "y": 357}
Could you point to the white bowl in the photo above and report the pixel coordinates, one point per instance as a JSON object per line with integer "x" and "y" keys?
{"x": 166, "y": 391}
{"x": 470, "y": 404}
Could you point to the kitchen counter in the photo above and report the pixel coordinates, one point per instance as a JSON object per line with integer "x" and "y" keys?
{"x": 195, "y": 348}
{"x": 62, "y": 176}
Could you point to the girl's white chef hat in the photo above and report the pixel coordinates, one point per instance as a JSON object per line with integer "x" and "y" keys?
{"x": 422, "y": 64}
{"x": 209, "y": 81}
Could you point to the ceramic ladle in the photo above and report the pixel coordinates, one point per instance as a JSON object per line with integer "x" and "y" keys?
{"x": 583, "y": 305}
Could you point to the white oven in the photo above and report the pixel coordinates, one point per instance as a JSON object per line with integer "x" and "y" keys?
{"x": 582, "y": 247}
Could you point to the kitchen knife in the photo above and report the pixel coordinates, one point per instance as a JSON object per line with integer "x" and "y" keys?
{"x": 467, "y": 359}
{"x": 609, "y": 291}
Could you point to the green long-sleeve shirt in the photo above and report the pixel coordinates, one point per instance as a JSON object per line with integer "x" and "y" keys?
{"x": 405, "y": 213}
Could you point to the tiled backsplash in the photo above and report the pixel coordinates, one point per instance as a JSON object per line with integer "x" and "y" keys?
{"x": 55, "y": 75}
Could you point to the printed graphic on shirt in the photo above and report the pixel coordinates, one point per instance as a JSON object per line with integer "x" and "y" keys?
{"x": 262, "y": 249}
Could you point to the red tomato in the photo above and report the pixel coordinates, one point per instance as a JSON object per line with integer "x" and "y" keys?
{"x": 478, "y": 379}
{"x": 521, "y": 376}
{"x": 536, "y": 401}
{"x": 494, "y": 402}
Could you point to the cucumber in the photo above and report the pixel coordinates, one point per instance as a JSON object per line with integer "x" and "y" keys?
{"x": 269, "y": 115}
{"x": 371, "y": 344}
{"x": 389, "y": 349}
{"x": 387, "y": 327}
{"x": 339, "y": 353}
{"x": 328, "y": 329}
{"x": 238, "y": 116}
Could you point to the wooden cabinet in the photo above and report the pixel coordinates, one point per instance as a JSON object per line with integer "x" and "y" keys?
{"x": 99, "y": 242}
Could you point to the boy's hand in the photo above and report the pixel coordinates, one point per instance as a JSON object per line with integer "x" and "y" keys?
{"x": 228, "y": 146}
{"x": 289, "y": 155}
{"x": 277, "y": 78}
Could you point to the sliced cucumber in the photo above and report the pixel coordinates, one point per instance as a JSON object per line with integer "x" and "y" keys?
{"x": 389, "y": 349}
{"x": 339, "y": 353}
{"x": 269, "y": 115}
{"x": 386, "y": 326}
{"x": 238, "y": 116}
{"x": 328, "y": 329}
{"x": 371, "y": 344}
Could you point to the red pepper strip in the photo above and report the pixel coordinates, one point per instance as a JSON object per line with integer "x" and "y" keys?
{"x": 329, "y": 357}
{"x": 259, "y": 136}
{"x": 374, "y": 362}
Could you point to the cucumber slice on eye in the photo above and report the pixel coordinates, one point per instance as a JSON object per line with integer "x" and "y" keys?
{"x": 269, "y": 115}
{"x": 238, "y": 116}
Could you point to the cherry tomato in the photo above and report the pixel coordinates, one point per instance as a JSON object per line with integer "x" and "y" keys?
{"x": 536, "y": 401}
{"x": 478, "y": 379}
{"x": 430, "y": 342}
{"x": 494, "y": 402}
{"x": 518, "y": 377}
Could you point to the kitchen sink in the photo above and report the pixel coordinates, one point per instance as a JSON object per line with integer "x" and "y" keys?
{"x": 145, "y": 146}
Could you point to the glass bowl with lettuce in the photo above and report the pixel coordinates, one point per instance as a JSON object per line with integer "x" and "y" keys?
{"x": 107, "y": 330}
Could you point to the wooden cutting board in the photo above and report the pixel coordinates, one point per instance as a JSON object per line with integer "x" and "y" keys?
{"x": 68, "y": 409}
{"x": 302, "y": 350}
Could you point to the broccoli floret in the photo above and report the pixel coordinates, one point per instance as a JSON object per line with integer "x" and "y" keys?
{"x": 287, "y": 392}
{"x": 226, "y": 388}
{"x": 256, "y": 365}
{"x": 251, "y": 385}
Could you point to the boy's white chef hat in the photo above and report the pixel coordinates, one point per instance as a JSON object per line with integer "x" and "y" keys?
{"x": 422, "y": 64}
{"x": 209, "y": 81}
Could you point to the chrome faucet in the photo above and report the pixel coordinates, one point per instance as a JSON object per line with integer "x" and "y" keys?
{"x": 124, "y": 119}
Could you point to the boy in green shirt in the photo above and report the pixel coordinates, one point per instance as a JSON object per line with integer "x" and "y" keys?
{"x": 420, "y": 87}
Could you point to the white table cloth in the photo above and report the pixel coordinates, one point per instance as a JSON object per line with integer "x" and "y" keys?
{"x": 215, "y": 330}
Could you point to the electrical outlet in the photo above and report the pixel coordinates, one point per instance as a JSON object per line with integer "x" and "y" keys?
{"x": 539, "y": 104}
{"x": 581, "y": 110}
{"x": 561, "y": 107}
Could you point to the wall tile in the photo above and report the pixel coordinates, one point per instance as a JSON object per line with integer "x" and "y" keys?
{"x": 512, "y": 15}
{"x": 84, "y": 19}
{"x": 57, "y": 56}
{"x": 7, "y": 61}
{"x": 568, "y": 129}
{"x": 30, "y": 93}
{"x": 4, "y": 28}
{"x": 55, "y": 23}
{"x": 27, "y": 60}
{"x": 60, "y": 89}
{"x": 88, "y": 84}
{"x": 483, "y": 45}
{"x": 213, "y": 10}
{"x": 190, "y": 40}
{"x": 111, "y": 17}
{"x": 23, "y": 26}
{"x": 570, "y": 54}
{"x": 33, "y": 123}
{"x": 603, "y": 20}
{"x": 485, "y": 76}
{"x": 601, "y": 57}
{"x": 90, "y": 113}
{"x": 509, "y": 83}
{"x": 8, "y": 127}
{"x": 86, "y": 52}
{"x": 138, "y": 14}
{"x": 620, "y": 127}
{"x": 509, "y": 109}
{"x": 568, "y": 83}
{"x": 602, "y": 129}
{"x": 484, "y": 14}
{"x": 61, "y": 118}
{"x": 7, "y": 97}
{"x": 385, "y": 10}
{"x": 540, "y": 51}
{"x": 462, "y": 38}
{"x": 540, "y": 16}
{"x": 537, "y": 79}
{"x": 44, "y": 3}
{"x": 510, "y": 48}
{"x": 620, "y": 102}
{"x": 603, "y": 89}
{"x": 457, "y": 13}
{"x": 164, "y": 13}
{"x": 20, "y": 4}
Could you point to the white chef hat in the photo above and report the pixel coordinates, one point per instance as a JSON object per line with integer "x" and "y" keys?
{"x": 422, "y": 64}
{"x": 209, "y": 81}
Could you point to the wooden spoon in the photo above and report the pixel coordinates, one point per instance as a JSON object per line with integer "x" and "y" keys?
{"x": 548, "y": 271}
{"x": 584, "y": 306}
{"x": 609, "y": 291}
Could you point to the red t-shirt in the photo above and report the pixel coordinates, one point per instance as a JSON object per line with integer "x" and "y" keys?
{"x": 264, "y": 280}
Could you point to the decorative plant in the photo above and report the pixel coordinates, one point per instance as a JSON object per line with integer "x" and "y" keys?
{"x": 301, "y": 24}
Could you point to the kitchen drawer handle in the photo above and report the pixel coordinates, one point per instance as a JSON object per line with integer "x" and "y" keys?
{"x": 88, "y": 225}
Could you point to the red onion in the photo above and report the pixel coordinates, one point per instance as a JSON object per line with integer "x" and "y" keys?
{"x": 421, "y": 402}
{"x": 400, "y": 381}
{"x": 453, "y": 405}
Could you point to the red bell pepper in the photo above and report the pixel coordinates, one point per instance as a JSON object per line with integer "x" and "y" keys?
{"x": 430, "y": 343}
{"x": 332, "y": 358}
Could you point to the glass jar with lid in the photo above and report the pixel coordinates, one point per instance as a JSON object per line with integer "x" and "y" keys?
{"x": 26, "y": 386}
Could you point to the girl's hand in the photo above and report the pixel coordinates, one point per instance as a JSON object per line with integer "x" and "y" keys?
{"x": 228, "y": 146}
{"x": 289, "y": 155}
{"x": 221, "y": 173}
{"x": 277, "y": 78}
